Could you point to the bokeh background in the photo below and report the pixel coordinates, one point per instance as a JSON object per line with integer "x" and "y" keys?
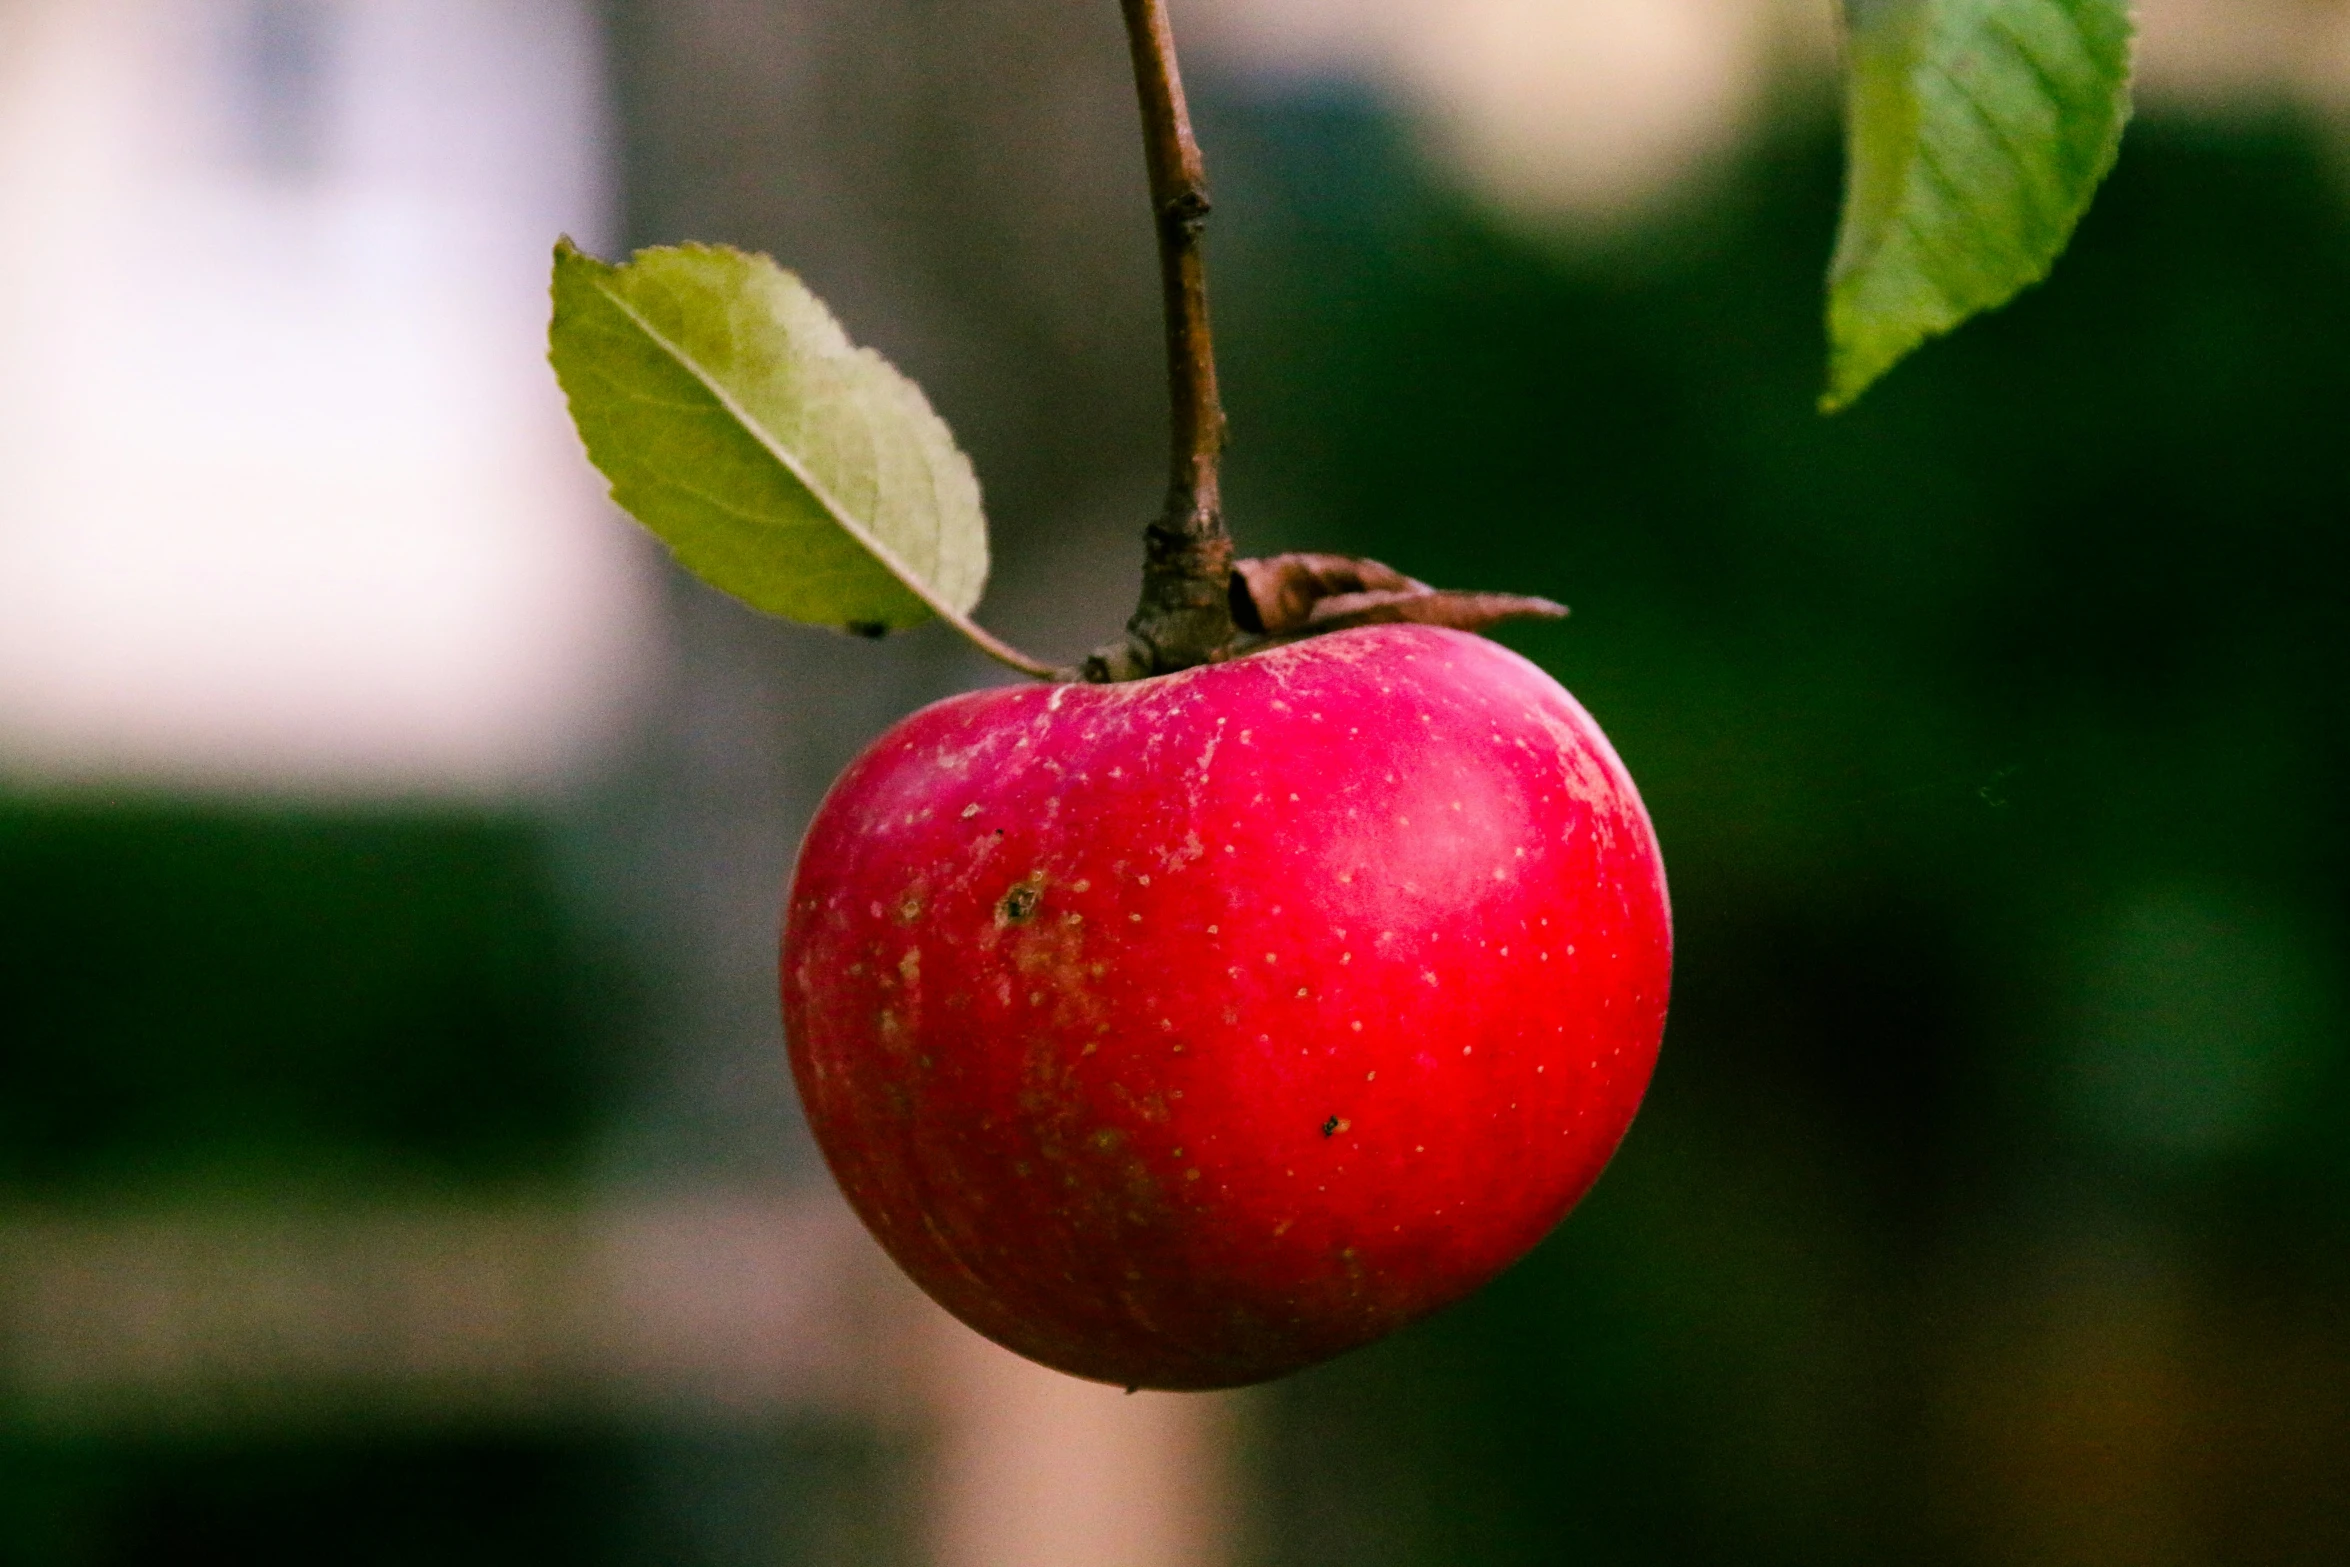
{"x": 397, "y": 1161}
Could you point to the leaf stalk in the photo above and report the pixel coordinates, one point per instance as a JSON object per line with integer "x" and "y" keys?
{"x": 1003, "y": 652}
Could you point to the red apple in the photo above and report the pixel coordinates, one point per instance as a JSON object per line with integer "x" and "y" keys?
{"x": 1182, "y": 1033}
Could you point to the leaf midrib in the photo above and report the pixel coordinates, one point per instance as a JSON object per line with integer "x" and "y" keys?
{"x": 784, "y": 459}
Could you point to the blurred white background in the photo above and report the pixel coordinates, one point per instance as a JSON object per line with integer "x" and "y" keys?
{"x": 286, "y": 502}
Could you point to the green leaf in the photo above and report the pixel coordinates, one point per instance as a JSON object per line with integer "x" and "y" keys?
{"x": 1977, "y": 131}
{"x": 781, "y": 463}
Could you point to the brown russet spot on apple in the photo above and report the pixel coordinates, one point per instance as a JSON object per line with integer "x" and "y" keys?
{"x": 1019, "y": 905}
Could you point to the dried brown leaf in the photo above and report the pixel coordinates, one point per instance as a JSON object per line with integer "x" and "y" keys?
{"x": 1275, "y": 596}
{"x": 1436, "y": 607}
{"x": 1283, "y": 596}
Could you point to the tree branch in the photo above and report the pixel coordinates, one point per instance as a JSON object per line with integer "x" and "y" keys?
{"x": 1185, "y": 614}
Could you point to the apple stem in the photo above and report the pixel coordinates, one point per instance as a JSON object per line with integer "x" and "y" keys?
{"x": 1185, "y": 615}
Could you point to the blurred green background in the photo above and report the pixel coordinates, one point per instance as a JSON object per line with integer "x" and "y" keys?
{"x": 1991, "y": 1205}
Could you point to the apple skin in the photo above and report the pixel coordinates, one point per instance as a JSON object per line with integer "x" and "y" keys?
{"x": 1182, "y": 1033}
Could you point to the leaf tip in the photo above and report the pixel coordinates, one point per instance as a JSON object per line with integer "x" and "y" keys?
{"x": 569, "y": 258}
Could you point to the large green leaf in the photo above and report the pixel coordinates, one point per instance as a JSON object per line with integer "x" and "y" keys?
{"x": 1977, "y": 131}
{"x": 781, "y": 463}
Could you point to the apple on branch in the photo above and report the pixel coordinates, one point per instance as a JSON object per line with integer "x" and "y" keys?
{"x": 1287, "y": 969}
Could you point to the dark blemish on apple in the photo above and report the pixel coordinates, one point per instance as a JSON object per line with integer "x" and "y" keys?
{"x": 1019, "y": 905}
{"x": 1331, "y": 1126}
